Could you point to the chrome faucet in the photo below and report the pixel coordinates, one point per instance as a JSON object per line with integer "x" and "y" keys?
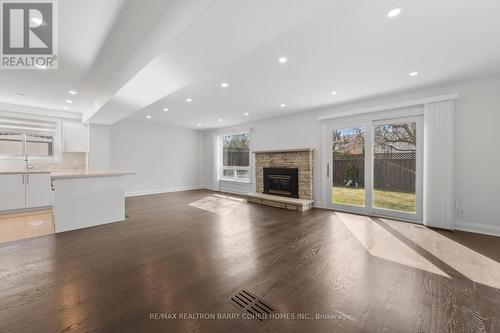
{"x": 26, "y": 161}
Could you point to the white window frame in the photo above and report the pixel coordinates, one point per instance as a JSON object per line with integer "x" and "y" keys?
{"x": 221, "y": 167}
{"x": 56, "y": 145}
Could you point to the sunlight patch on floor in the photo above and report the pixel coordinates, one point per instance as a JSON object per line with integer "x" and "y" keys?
{"x": 468, "y": 262}
{"x": 382, "y": 244}
{"x": 218, "y": 204}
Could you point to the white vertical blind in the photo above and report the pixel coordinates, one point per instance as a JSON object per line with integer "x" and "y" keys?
{"x": 438, "y": 165}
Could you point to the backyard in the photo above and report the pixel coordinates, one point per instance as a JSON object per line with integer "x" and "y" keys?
{"x": 392, "y": 200}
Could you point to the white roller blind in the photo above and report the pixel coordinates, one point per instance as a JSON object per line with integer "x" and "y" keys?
{"x": 25, "y": 126}
{"x": 439, "y": 165}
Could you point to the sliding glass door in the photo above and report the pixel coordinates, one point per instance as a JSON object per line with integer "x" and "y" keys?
{"x": 374, "y": 167}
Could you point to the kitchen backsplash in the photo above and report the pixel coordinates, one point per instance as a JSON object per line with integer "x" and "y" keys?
{"x": 70, "y": 161}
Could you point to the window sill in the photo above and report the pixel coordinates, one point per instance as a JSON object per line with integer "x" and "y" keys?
{"x": 242, "y": 181}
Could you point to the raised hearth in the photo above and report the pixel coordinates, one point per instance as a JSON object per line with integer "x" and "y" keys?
{"x": 299, "y": 205}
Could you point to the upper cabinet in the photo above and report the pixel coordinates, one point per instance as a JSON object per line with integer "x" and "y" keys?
{"x": 75, "y": 137}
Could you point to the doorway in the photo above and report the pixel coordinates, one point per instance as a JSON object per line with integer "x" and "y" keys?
{"x": 374, "y": 167}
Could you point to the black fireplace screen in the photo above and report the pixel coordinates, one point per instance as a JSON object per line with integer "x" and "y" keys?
{"x": 282, "y": 181}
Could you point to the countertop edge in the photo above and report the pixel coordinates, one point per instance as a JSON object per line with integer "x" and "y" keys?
{"x": 90, "y": 175}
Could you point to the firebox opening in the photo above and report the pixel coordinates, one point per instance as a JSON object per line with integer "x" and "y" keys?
{"x": 281, "y": 181}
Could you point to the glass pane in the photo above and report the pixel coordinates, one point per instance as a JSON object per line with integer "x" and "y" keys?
{"x": 348, "y": 166}
{"x": 243, "y": 174}
{"x": 394, "y": 166}
{"x": 11, "y": 144}
{"x": 228, "y": 173}
{"x": 236, "y": 150}
{"x": 39, "y": 145}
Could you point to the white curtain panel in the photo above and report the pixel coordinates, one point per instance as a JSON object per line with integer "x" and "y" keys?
{"x": 439, "y": 198}
{"x": 215, "y": 163}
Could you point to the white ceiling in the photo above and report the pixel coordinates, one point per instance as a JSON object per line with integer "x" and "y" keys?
{"x": 177, "y": 49}
{"x": 84, "y": 26}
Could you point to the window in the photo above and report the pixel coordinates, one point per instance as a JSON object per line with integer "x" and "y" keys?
{"x": 19, "y": 137}
{"x": 235, "y": 157}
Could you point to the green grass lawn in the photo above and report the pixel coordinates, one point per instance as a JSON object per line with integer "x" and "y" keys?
{"x": 401, "y": 201}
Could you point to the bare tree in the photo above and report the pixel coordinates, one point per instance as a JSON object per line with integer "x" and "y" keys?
{"x": 348, "y": 142}
{"x": 396, "y": 137}
{"x": 235, "y": 141}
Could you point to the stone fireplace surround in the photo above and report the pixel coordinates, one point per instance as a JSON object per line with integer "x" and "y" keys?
{"x": 302, "y": 159}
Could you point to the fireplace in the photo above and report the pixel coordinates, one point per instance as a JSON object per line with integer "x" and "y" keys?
{"x": 282, "y": 181}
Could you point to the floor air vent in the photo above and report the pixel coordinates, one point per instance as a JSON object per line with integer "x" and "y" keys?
{"x": 251, "y": 304}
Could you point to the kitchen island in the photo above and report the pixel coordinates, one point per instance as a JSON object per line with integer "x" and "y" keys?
{"x": 83, "y": 199}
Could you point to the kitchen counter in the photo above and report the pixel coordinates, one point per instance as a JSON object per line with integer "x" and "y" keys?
{"x": 79, "y": 198}
{"x": 57, "y": 174}
{"x": 88, "y": 174}
{"x": 88, "y": 198}
{"x": 23, "y": 172}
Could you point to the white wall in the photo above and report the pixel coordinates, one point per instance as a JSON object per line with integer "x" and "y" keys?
{"x": 165, "y": 158}
{"x": 477, "y": 154}
{"x": 98, "y": 156}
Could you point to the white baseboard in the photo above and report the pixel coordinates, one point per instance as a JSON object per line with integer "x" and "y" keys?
{"x": 229, "y": 191}
{"x": 164, "y": 190}
{"x": 318, "y": 204}
{"x": 477, "y": 228}
{"x": 210, "y": 188}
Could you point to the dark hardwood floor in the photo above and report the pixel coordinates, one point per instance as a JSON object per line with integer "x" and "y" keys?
{"x": 362, "y": 274}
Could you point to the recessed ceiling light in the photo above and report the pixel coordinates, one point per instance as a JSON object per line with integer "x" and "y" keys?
{"x": 220, "y": 119}
{"x": 199, "y": 125}
{"x": 224, "y": 85}
{"x": 394, "y": 12}
{"x": 40, "y": 66}
{"x": 246, "y": 114}
{"x": 66, "y": 108}
{"x": 165, "y": 109}
{"x": 72, "y": 92}
{"x": 333, "y": 93}
{"x": 69, "y": 101}
{"x": 283, "y": 105}
{"x": 282, "y": 60}
{"x": 148, "y": 117}
{"x": 413, "y": 73}
{"x": 189, "y": 100}
{"x": 37, "y": 20}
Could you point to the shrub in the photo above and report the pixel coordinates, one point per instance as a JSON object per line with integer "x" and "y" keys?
{"x": 351, "y": 176}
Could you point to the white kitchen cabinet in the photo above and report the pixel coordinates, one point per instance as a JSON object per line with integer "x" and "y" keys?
{"x": 38, "y": 190}
{"x": 21, "y": 191}
{"x": 75, "y": 137}
{"x": 13, "y": 191}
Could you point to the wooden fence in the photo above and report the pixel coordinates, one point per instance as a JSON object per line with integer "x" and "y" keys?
{"x": 391, "y": 171}
{"x": 236, "y": 156}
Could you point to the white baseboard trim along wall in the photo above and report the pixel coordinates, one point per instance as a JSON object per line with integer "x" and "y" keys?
{"x": 477, "y": 228}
